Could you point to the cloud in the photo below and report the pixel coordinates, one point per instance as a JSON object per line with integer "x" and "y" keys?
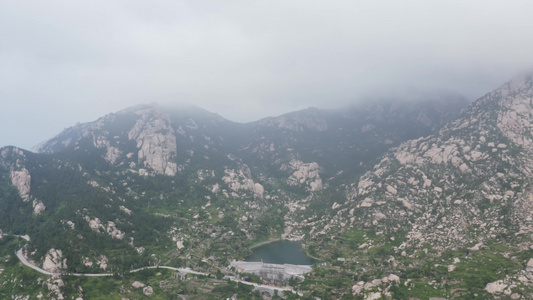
{"x": 66, "y": 61}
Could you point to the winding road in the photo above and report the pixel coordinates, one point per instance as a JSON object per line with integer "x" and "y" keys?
{"x": 24, "y": 261}
{"x": 36, "y": 268}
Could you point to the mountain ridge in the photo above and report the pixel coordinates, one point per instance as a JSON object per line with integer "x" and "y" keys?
{"x": 393, "y": 186}
{"x": 467, "y": 186}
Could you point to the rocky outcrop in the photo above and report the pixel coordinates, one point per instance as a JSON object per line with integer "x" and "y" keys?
{"x": 376, "y": 288}
{"x": 156, "y": 141}
{"x": 54, "y": 286}
{"x": 496, "y": 287}
{"x": 125, "y": 210}
{"x": 38, "y": 207}
{"x": 113, "y": 231}
{"x": 21, "y": 179}
{"x": 102, "y": 262}
{"x": 148, "y": 291}
{"x": 179, "y": 245}
{"x": 94, "y": 224}
{"x": 54, "y": 261}
{"x": 240, "y": 181}
{"x": 460, "y": 181}
{"x": 306, "y": 174}
{"x": 150, "y": 130}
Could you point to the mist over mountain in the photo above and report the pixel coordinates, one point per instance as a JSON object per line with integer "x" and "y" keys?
{"x": 397, "y": 199}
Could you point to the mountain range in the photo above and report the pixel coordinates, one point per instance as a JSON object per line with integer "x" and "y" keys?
{"x": 425, "y": 199}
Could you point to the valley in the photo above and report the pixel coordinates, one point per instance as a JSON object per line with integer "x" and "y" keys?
{"x": 422, "y": 200}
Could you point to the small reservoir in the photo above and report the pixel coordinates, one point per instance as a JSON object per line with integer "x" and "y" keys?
{"x": 281, "y": 252}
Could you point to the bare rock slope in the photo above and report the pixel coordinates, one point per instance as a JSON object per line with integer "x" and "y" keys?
{"x": 469, "y": 183}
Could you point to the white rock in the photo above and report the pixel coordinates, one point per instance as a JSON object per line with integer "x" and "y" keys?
{"x": 53, "y": 262}
{"x": 304, "y": 174}
{"x": 379, "y": 216}
{"x": 405, "y": 157}
{"x": 374, "y": 296}
{"x": 22, "y": 181}
{"x": 95, "y": 223}
{"x": 87, "y": 262}
{"x": 427, "y": 182}
{"x": 138, "y": 284}
{"x": 147, "y": 291}
{"x": 530, "y": 264}
{"x": 368, "y": 286}
{"x": 179, "y": 245}
{"x": 357, "y": 288}
{"x": 38, "y": 207}
{"x": 71, "y": 224}
{"x": 451, "y": 268}
{"x": 475, "y": 247}
{"x": 156, "y": 141}
{"x": 367, "y": 202}
{"x": 240, "y": 179}
{"x": 476, "y": 155}
{"x": 464, "y": 168}
{"x": 126, "y": 210}
{"x": 393, "y": 277}
{"x": 496, "y": 287}
{"x": 114, "y": 232}
{"x": 102, "y": 262}
{"x": 391, "y": 190}
{"x": 259, "y": 190}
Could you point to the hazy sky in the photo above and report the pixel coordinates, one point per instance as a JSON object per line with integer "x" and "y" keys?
{"x": 63, "y": 62}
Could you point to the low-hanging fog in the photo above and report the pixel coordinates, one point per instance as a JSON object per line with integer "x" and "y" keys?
{"x": 63, "y": 62}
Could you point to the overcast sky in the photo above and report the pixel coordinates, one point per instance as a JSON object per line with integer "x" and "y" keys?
{"x": 63, "y": 62}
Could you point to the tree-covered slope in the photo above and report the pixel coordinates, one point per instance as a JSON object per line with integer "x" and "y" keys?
{"x": 184, "y": 187}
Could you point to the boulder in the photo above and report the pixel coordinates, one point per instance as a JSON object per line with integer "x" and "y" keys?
{"x": 496, "y": 287}
{"x": 530, "y": 264}
{"x": 374, "y": 296}
{"x": 393, "y": 277}
{"x": 138, "y": 284}
{"x": 147, "y": 291}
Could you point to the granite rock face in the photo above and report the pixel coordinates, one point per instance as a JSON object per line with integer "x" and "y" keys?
{"x": 147, "y": 127}
{"x": 156, "y": 141}
{"x": 306, "y": 174}
{"x": 21, "y": 179}
{"x": 54, "y": 262}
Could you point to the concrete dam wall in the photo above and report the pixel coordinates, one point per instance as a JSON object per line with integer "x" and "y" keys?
{"x": 272, "y": 272}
